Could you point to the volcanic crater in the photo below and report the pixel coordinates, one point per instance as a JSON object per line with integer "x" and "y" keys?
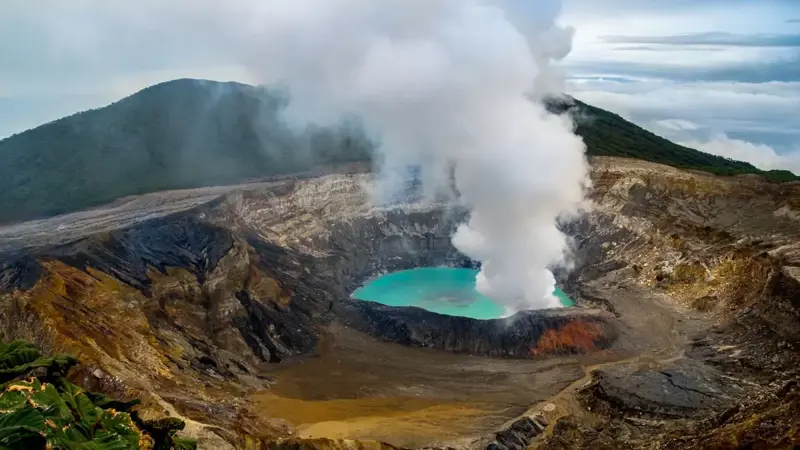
{"x": 231, "y": 308}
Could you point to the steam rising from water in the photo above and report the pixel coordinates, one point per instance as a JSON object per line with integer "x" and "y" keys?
{"x": 456, "y": 86}
{"x": 452, "y": 85}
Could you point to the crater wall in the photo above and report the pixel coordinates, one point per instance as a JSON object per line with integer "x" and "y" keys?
{"x": 210, "y": 297}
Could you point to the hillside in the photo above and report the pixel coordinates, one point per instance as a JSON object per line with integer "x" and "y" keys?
{"x": 607, "y": 134}
{"x": 193, "y": 133}
{"x": 179, "y": 134}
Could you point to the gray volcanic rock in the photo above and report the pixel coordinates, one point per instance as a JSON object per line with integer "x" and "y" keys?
{"x": 511, "y": 337}
{"x": 218, "y": 294}
{"x": 519, "y": 434}
{"x": 231, "y": 244}
{"x": 179, "y": 240}
{"x": 686, "y": 389}
{"x": 195, "y": 304}
{"x": 20, "y": 272}
{"x": 391, "y": 241}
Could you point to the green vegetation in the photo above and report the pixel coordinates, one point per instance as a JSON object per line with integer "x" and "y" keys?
{"x": 607, "y": 134}
{"x": 194, "y": 133}
{"x": 175, "y": 135}
{"x": 48, "y": 412}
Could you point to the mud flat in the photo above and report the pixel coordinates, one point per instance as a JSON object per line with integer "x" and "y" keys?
{"x": 362, "y": 388}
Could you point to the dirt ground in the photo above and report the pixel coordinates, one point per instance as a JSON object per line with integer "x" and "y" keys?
{"x": 360, "y": 388}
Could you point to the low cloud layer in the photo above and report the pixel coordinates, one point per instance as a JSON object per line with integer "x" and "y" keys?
{"x": 712, "y": 38}
{"x": 711, "y": 141}
{"x": 760, "y": 155}
{"x": 736, "y": 78}
{"x": 781, "y": 68}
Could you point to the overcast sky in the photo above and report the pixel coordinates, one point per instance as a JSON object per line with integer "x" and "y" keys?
{"x": 721, "y": 75}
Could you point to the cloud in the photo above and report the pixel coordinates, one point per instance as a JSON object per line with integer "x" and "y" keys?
{"x": 656, "y": 48}
{"x": 659, "y": 7}
{"x": 737, "y": 74}
{"x": 602, "y": 78}
{"x": 711, "y": 38}
{"x": 61, "y": 57}
{"x": 760, "y": 112}
{"x": 706, "y": 139}
{"x": 760, "y": 155}
{"x": 781, "y": 69}
{"x": 677, "y": 125}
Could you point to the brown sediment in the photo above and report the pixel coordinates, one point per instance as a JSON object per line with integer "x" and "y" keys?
{"x": 360, "y": 388}
{"x": 401, "y": 421}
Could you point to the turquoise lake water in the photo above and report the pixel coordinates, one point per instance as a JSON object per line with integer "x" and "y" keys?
{"x": 444, "y": 290}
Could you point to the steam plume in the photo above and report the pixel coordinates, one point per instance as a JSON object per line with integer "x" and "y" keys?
{"x": 454, "y": 85}
{"x": 448, "y": 83}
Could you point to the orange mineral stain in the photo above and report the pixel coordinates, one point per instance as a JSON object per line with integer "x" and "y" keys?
{"x": 576, "y": 336}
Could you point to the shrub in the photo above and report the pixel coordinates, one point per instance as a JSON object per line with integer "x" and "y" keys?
{"x": 46, "y": 411}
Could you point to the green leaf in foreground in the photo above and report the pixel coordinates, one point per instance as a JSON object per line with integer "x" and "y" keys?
{"x": 20, "y": 429}
{"x": 59, "y": 415}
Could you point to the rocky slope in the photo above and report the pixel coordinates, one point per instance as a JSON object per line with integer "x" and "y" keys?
{"x": 230, "y": 307}
{"x": 723, "y": 248}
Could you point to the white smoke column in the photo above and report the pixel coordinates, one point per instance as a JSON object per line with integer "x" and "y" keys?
{"x": 445, "y": 83}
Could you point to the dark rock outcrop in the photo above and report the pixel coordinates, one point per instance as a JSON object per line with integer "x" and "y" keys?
{"x": 519, "y": 434}
{"x": 686, "y": 389}
{"x": 780, "y": 310}
{"x": 771, "y": 421}
{"x": 396, "y": 240}
{"x": 513, "y": 337}
{"x": 21, "y": 272}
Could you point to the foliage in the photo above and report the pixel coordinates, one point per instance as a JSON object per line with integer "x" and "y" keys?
{"x": 20, "y": 429}
{"x": 48, "y": 411}
{"x": 607, "y": 134}
{"x": 193, "y": 133}
{"x": 175, "y": 135}
{"x": 20, "y": 357}
{"x": 163, "y": 433}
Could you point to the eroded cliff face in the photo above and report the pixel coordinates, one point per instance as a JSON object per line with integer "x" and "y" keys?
{"x": 693, "y": 234}
{"x": 724, "y": 250}
{"x": 193, "y": 309}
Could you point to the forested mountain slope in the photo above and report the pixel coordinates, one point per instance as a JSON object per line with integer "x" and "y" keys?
{"x": 192, "y": 133}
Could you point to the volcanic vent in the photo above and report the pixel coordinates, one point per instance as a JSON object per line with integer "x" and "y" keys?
{"x": 346, "y": 241}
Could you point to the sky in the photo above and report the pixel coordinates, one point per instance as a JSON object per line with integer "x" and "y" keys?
{"x": 722, "y": 76}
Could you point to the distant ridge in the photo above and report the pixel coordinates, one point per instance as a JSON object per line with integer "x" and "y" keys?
{"x": 191, "y": 133}
{"x": 179, "y": 134}
{"x": 608, "y": 134}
